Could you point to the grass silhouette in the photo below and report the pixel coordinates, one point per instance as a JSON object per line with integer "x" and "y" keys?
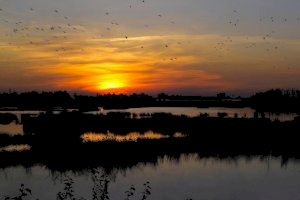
{"x": 101, "y": 180}
{"x": 99, "y": 190}
{"x": 24, "y": 193}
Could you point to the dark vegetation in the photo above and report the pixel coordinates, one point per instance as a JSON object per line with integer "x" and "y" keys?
{"x": 271, "y": 101}
{"x": 7, "y": 118}
{"x": 56, "y": 142}
{"x": 277, "y": 101}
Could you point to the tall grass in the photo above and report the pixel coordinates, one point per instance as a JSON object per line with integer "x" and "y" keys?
{"x": 99, "y": 190}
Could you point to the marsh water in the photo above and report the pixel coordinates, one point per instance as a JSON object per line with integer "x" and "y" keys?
{"x": 246, "y": 112}
{"x": 183, "y": 177}
{"x": 171, "y": 179}
{"x": 17, "y": 128}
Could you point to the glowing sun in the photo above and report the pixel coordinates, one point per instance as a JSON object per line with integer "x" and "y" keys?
{"x": 111, "y": 84}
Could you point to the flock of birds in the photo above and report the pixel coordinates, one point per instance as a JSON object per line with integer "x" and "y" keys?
{"x": 21, "y": 29}
{"x": 29, "y": 32}
{"x": 265, "y": 42}
{"x": 24, "y": 30}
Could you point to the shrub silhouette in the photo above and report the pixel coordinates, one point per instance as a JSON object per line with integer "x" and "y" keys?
{"x": 147, "y": 191}
{"x": 68, "y": 193}
{"x": 101, "y": 182}
{"x": 130, "y": 193}
{"x": 99, "y": 190}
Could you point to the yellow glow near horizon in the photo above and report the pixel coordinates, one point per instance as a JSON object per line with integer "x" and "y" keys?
{"x": 111, "y": 84}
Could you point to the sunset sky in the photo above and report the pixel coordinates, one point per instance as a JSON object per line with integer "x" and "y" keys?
{"x": 126, "y": 46}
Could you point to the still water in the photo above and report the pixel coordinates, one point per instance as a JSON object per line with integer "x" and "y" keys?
{"x": 19, "y": 113}
{"x": 187, "y": 177}
{"x": 194, "y": 111}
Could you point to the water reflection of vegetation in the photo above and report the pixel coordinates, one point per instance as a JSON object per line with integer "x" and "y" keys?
{"x": 15, "y": 148}
{"x": 130, "y": 137}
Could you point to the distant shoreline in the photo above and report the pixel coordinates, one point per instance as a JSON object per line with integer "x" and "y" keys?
{"x": 276, "y": 101}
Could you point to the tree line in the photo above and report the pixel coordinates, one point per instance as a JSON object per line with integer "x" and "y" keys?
{"x": 275, "y": 100}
